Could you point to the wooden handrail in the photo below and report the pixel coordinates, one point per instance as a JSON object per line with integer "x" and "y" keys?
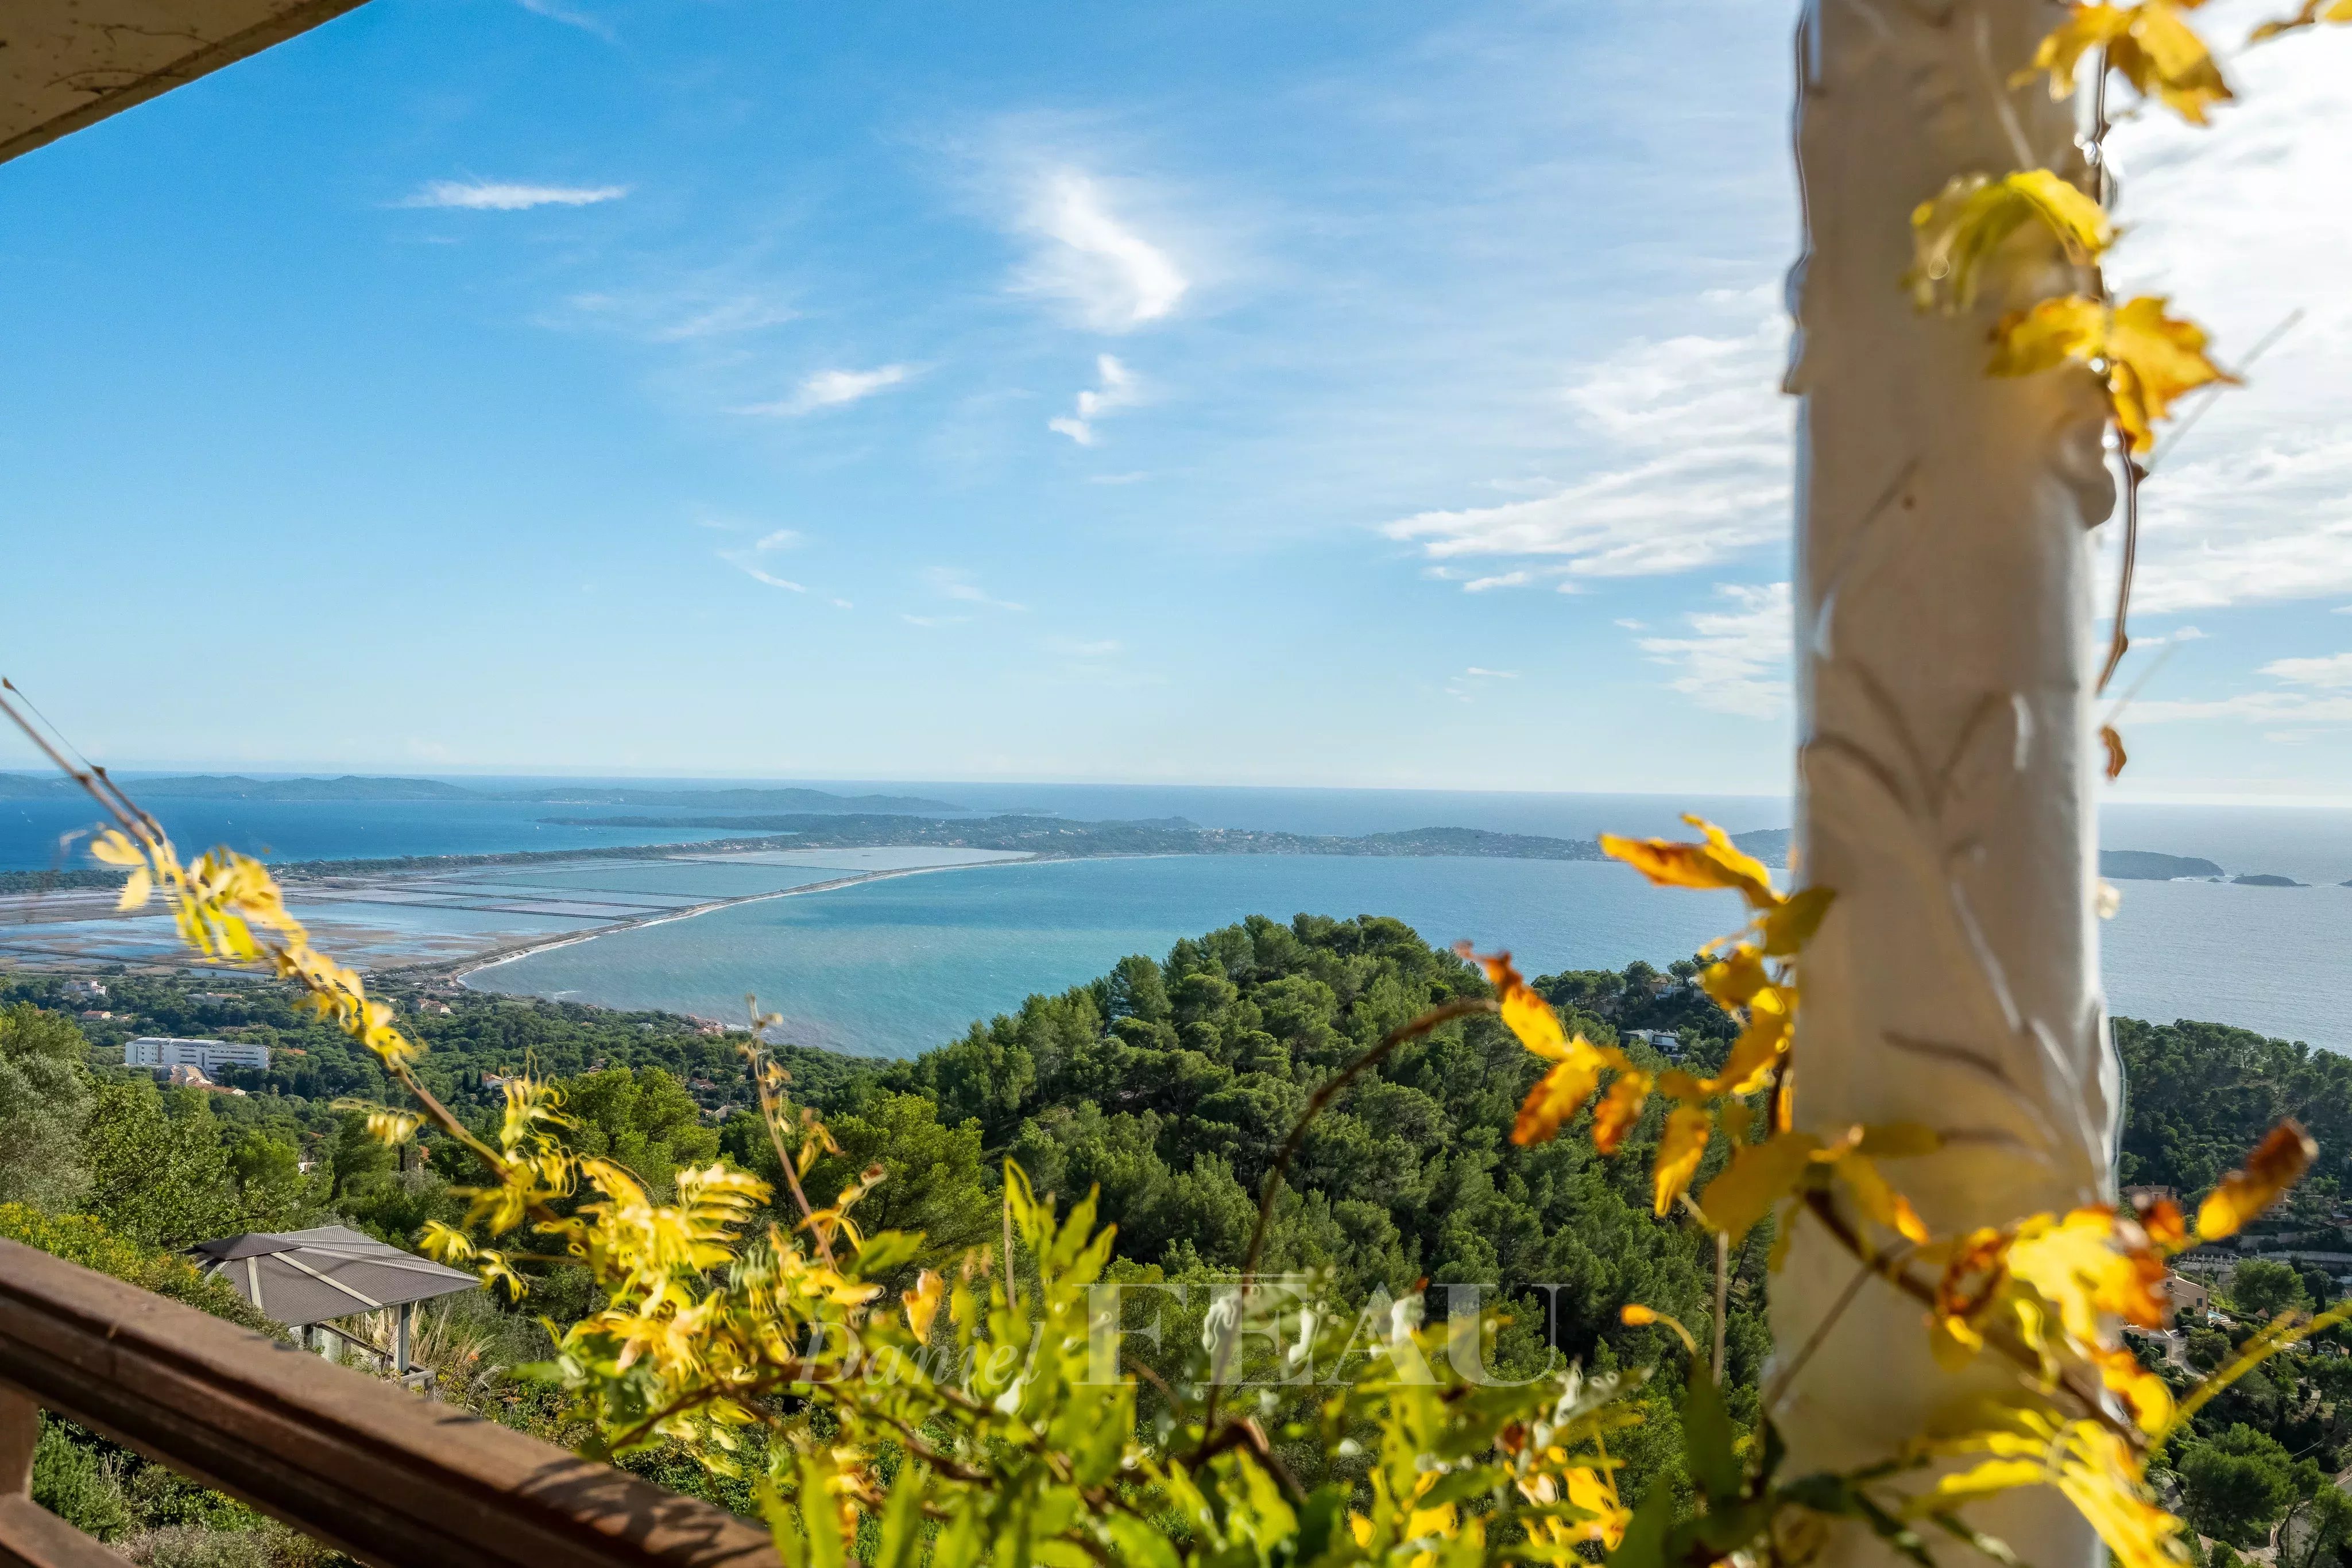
{"x": 392, "y": 1480}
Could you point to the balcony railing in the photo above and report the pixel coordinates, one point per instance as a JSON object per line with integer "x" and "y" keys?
{"x": 362, "y": 1464}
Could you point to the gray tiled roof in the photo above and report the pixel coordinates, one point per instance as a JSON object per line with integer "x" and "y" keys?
{"x": 302, "y": 1277}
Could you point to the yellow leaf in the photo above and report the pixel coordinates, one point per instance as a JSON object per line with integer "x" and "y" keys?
{"x": 392, "y": 1126}
{"x": 1680, "y": 1149}
{"x": 1788, "y": 928}
{"x": 2085, "y": 28}
{"x": 1984, "y": 1481}
{"x": 114, "y": 847}
{"x": 1558, "y": 1096}
{"x": 2276, "y": 1165}
{"x": 1634, "y": 1315}
{"x": 1619, "y": 1110}
{"x": 2090, "y": 1268}
{"x": 1737, "y": 977}
{"x": 2150, "y": 359}
{"x": 922, "y": 1303}
{"x": 2117, "y": 756}
{"x": 2313, "y": 13}
{"x": 2162, "y": 57}
{"x": 2070, "y": 328}
{"x": 1879, "y": 1200}
{"x": 137, "y": 890}
{"x": 1525, "y": 1013}
{"x": 1759, "y": 1047}
{"x": 1715, "y": 862}
{"x": 2154, "y": 358}
{"x": 1759, "y": 1176}
{"x": 1955, "y": 235}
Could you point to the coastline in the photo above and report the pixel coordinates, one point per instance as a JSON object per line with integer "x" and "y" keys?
{"x": 462, "y": 970}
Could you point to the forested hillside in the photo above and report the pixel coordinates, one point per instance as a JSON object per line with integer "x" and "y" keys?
{"x": 1168, "y": 1083}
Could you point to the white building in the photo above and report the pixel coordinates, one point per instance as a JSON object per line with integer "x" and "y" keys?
{"x": 208, "y": 1056}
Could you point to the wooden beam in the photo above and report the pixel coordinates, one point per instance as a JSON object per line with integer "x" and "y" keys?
{"x": 67, "y": 64}
{"x": 362, "y": 1464}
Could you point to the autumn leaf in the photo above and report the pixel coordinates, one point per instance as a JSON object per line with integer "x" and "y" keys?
{"x": 1524, "y": 1013}
{"x": 2160, "y": 55}
{"x": 1717, "y": 863}
{"x": 1877, "y": 1199}
{"x": 1759, "y": 1176}
{"x": 1760, "y": 1047}
{"x": 2117, "y": 756}
{"x": 1619, "y": 1110}
{"x": 1954, "y": 233}
{"x": 1680, "y": 1148}
{"x": 136, "y": 890}
{"x": 1558, "y": 1096}
{"x": 2277, "y": 1162}
{"x": 922, "y": 1302}
{"x": 1789, "y": 927}
{"x": 2313, "y": 12}
{"x": 2161, "y": 1220}
{"x": 2149, "y": 359}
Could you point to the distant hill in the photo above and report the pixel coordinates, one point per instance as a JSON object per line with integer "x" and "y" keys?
{"x": 738, "y": 799}
{"x": 236, "y": 787}
{"x": 1770, "y": 845}
{"x": 2146, "y": 865}
{"x": 1062, "y": 837}
{"x": 2265, "y": 878}
{"x": 355, "y": 787}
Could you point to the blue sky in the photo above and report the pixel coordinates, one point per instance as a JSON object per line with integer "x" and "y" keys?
{"x": 1191, "y": 393}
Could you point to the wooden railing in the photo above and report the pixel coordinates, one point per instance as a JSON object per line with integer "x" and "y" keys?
{"x": 362, "y": 1464}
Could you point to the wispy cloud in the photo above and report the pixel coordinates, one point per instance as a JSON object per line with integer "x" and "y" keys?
{"x": 494, "y": 196}
{"x": 555, "y": 12}
{"x": 1700, "y": 434}
{"x": 759, "y": 575}
{"x": 1076, "y": 648}
{"x": 1736, "y": 660}
{"x": 950, "y": 583}
{"x": 1094, "y": 259}
{"x": 833, "y": 389}
{"x": 2333, "y": 671}
{"x": 1465, "y": 687}
{"x": 934, "y": 620}
{"x": 1499, "y": 579}
{"x": 1118, "y": 391}
{"x": 746, "y": 560}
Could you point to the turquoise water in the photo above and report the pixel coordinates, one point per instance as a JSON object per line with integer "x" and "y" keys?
{"x": 891, "y": 968}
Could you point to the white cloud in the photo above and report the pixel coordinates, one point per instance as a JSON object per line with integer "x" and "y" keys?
{"x": 1094, "y": 260}
{"x": 2331, "y": 671}
{"x": 1700, "y": 436}
{"x": 1462, "y": 686}
{"x": 2239, "y": 224}
{"x": 842, "y": 605}
{"x": 954, "y": 584}
{"x": 555, "y": 11}
{"x": 758, "y": 575}
{"x": 1075, "y": 648}
{"x": 1736, "y": 660}
{"x": 1118, "y": 391}
{"x": 832, "y": 389}
{"x": 486, "y": 195}
{"x": 782, "y": 539}
{"x": 685, "y": 313}
{"x": 1500, "y": 580}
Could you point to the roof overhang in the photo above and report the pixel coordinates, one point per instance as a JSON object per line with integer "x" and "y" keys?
{"x": 65, "y": 64}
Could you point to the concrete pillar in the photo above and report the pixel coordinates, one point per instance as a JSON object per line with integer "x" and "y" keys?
{"x": 1947, "y": 763}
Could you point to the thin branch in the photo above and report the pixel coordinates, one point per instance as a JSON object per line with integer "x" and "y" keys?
{"x": 1722, "y": 1298}
{"x": 2119, "y": 637}
{"x": 1461, "y": 1007}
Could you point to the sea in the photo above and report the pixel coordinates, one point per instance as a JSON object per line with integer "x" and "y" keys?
{"x": 892, "y": 967}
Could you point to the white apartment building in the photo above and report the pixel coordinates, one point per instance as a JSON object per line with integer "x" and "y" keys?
{"x": 209, "y": 1056}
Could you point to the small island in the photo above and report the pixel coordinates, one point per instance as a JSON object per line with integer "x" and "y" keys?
{"x": 2146, "y": 865}
{"x": 2264, "y": 879}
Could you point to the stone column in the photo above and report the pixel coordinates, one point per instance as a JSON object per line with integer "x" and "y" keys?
{"x": 1947, "y": 765}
